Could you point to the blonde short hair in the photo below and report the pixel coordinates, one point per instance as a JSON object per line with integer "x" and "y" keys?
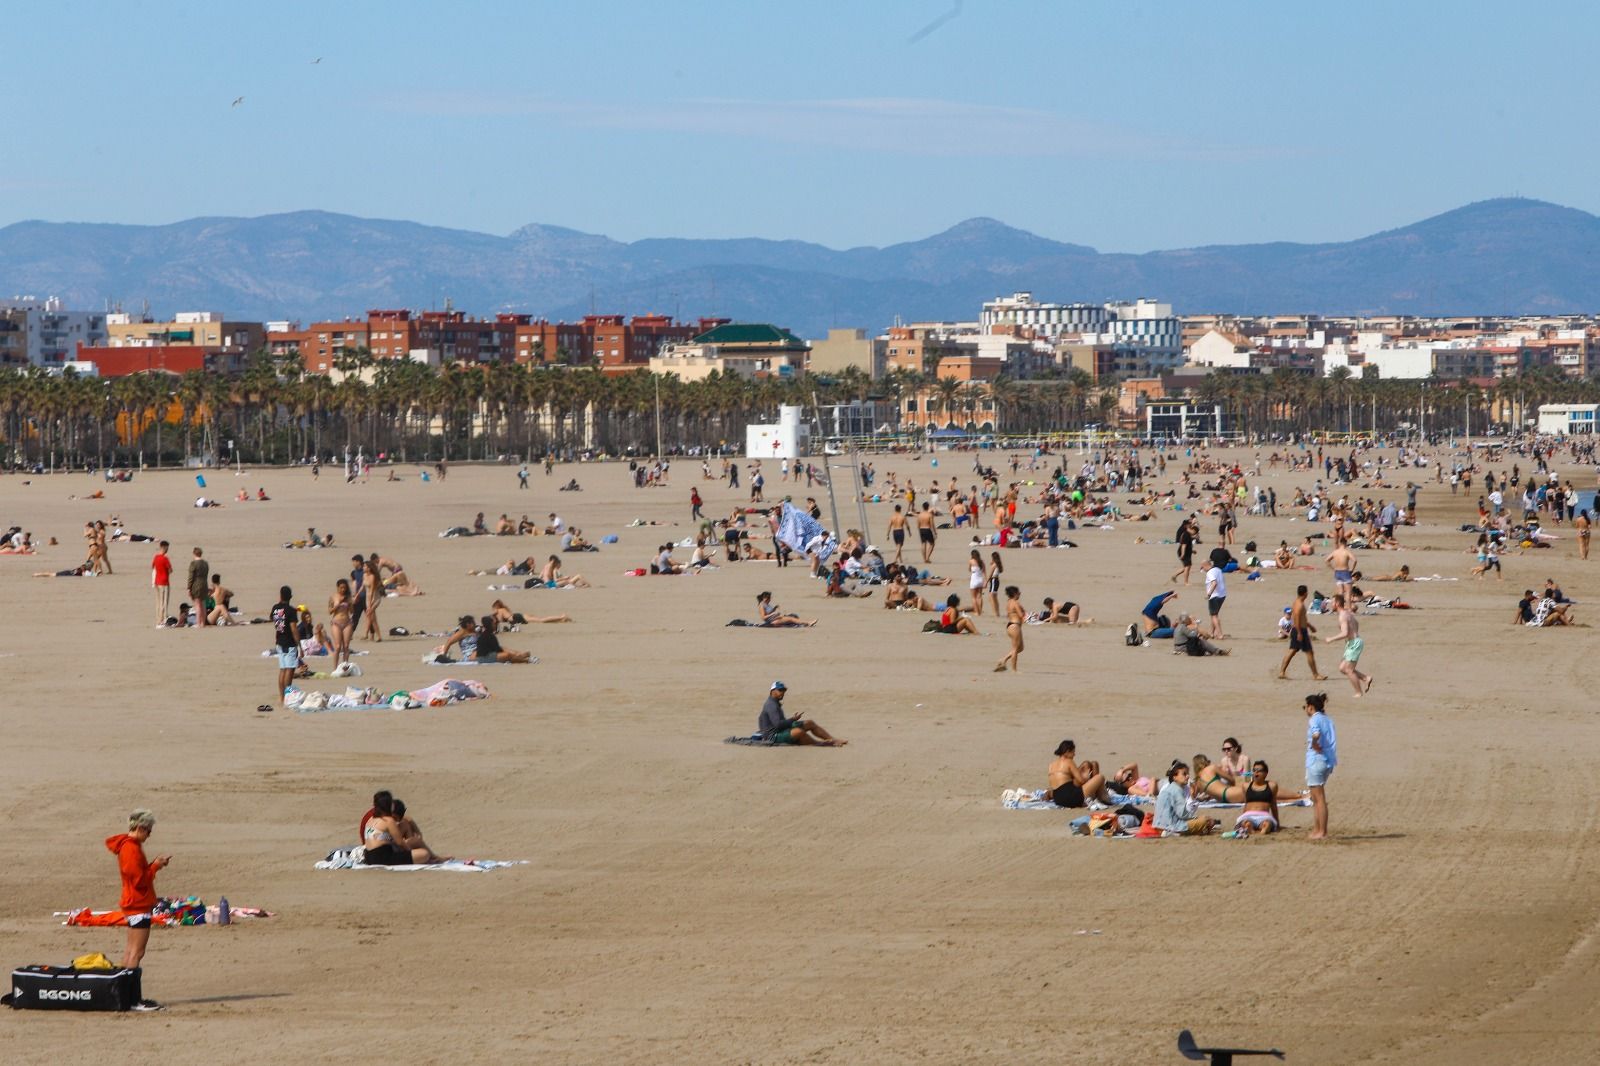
{"x": 141, "y": 819}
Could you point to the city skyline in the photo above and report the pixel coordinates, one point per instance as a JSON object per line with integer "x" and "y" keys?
{"x": 1148, "y": 126}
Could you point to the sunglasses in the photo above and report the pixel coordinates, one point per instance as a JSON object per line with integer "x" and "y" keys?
{"x": 1226, "y": 748}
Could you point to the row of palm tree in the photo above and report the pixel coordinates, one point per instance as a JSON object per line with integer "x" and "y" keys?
{"x": 274, "y": 412}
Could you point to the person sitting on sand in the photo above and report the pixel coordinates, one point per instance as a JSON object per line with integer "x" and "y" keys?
{"x": 488, "y": 649}
{"x": 1260, "y": 814}
{"x": 702, "y": 556}
{"x": 1175, "y": 812}
{"x": 1283, "y": 558}
{"x": 572, "y": 541}
{"x": 479, "y": 527}
{"x": 775, "y": 726}
{"x": 952, "y": 621}
{"x": 504, "y": 527}
{"x": 385, "y": 842}
{"x": 466, "y": 635}
{"x": 261, "y": 494}
{"x": 773, "y": 615}
{"x": 218, "y": 602}
{"x": 1542, "y": 611}
{"x": 550, "y": 574}
{"x": 1186, "y": 639}
{"x": 1063, "y": 612}
{"x": 507, "y": 617}
{"x": 1073, "y": 784}
{"x": 663, "y": 564}
{"x": 897, "y": 594}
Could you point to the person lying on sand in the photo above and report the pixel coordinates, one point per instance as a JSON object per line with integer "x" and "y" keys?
{"x": 550, "y": 574}
{"x": 507, "y": 617}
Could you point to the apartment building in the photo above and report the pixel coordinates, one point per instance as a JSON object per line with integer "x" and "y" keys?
{"x": 199, "y": 329}
{"x": 846, "y": 348}
{"x": 36, "y": 332}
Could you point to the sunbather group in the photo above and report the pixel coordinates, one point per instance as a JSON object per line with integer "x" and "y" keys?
{"x": 1233, "y": 779}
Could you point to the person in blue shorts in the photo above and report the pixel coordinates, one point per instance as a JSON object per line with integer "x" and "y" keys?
{"x": 283, "y": 617}
{"x": 1322, "y": 756}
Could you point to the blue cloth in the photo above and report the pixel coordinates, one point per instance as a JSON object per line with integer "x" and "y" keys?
{"x": 1152, "y": 610}
{"x": 1320, "y": 732}
{"x": 797, "y": 529}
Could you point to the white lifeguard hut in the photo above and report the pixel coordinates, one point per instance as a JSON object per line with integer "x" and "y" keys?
{"x": 789, "y": 439}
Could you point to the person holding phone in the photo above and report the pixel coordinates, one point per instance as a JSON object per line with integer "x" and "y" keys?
{"x": 776, "y": 727}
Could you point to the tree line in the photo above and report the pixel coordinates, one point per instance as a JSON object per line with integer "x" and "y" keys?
{"x": 275, "y": 412}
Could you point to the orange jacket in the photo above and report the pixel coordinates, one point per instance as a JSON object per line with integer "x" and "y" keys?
{"x": 138, "y": 876}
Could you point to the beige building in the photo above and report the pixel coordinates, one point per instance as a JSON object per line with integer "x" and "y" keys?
{"x": 845, "y": 348}
{"x": 199, "y": 329}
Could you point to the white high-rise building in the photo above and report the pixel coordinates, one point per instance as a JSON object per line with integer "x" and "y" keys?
{"x": 52, "y": 332}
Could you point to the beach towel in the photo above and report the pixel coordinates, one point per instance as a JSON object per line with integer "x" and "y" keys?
{"x": 445, "y": 660}
{"x": 189, "y": 911}
{"x": 754, "y": 740}
{"x": 801, "y": 533}
{"x": 350, "y": 859}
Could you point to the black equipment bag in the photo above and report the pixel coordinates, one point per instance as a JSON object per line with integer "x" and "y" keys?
{"x": 63, "y": 988}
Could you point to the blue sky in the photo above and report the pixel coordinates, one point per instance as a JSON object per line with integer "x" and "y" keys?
{"x": 1126, "y": 126}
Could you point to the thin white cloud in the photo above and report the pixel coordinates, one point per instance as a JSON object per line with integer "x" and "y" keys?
{"x": 887, "y": 125}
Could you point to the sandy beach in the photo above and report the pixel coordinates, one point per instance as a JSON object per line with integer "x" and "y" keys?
{"x": 690, "y": 901}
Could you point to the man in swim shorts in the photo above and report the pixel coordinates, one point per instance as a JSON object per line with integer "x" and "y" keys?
{"x": 780, "y": 729}
{"x": 897, "y": 530}
{"x": 925, "y": 531}
{"x": 283, "y": 617}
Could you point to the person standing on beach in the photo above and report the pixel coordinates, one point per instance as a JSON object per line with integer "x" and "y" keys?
{"x": 695, "y": 503}
{"x": 1581, "y": 524}
{"x": 897, "y": 530}
{"x": 1015, "y": 617}
{"x": 138, "y": 900}
{"x": 1350, "y": 633}
{"x": 1300, "y": 630}
{"x": 283, "y": 617}
{"x": 1216, "y": 595}
{"x": 199, "y": 579}
{"x": 1322, "y": 756}
{"x": 522, "y": 476}
{"x": 358, "y": 573}
{"x": 1186, "y": 537}
{"x": 1342, "y": 561}
{"x": 161, "y": 581}
{"x": 925, "y": 531}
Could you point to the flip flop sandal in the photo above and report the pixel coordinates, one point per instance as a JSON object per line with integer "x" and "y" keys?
{"x": 265, "y": 708}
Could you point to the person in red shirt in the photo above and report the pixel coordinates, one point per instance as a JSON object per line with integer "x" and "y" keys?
{"x": 161, "y": 581}
{"x": 138, "y": 882}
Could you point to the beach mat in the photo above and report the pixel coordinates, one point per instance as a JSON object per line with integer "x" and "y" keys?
{"x": 754, "y": 740}
{"x": 349, "y": 859}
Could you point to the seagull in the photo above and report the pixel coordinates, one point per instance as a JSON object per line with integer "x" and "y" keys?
{"x": 315, "y": 61}
{"x": 237, "y": 101}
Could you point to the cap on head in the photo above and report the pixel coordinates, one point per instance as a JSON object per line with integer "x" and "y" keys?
{"x": 779, "y": 686}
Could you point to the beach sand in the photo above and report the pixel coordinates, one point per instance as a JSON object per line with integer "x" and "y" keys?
{"x": 689, "y": 901}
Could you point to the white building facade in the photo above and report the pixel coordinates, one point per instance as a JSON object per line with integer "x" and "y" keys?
{"x": 52, "y": 332}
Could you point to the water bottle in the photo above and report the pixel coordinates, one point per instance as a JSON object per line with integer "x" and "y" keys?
{"x": 223, "y": 915}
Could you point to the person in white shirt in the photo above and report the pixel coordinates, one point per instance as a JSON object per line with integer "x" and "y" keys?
{"x": 1216, "y": 592}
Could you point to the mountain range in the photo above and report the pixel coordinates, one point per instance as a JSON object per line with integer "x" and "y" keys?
{"x": 1505, "y": 256}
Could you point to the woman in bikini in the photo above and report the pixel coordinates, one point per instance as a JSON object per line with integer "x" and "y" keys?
{"x": 507, "y": 617}
{"x": 372, "y": 585}
{"x": 1260, "y": 814}
{"x": 1212, "y": 781}
{"x": 341, "y": 627}
{"x": 1233, "y": 759}
{"x": 1582, "y": 525}
{"x": 1015, "y": 616}
{"x": 996, "y": 568}
{"x": 773, "y": 615}
{"x": 1129, "y": 782}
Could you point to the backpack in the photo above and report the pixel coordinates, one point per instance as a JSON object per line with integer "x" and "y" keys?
{"x": 1132, "y": 637}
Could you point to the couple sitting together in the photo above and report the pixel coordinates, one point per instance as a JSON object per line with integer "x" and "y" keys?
{"x": 390, "y": 838}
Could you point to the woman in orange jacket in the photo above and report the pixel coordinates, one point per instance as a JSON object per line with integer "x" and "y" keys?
{"x": 138, "y": 881}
